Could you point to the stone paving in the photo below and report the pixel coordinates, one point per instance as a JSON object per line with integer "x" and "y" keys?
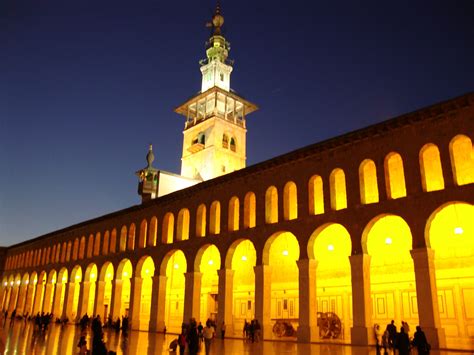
{"x": 21, "y": 338}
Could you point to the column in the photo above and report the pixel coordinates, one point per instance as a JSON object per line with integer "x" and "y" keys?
{"x": 225, "y": 299}
{"x": 69, "y": 301}
{"x": 57, "y": 299}
{"x": 116, "y": 300}
{"x": 38, "y": 302}
{"x": 99, "y": 300}
{"x": 192, "y": 296}
{"x": 30, "y": 294}
{"x": 361, "y": 331}
{"x": 308, "y": 304}
{"x": 158, "y": 303}
{"x": 263, "y": 298}
{"x": 83, "y": 299}
{"x": 47, "y": 297}
{"x": 135, "y": 302}
{"x": 427, "y": 296}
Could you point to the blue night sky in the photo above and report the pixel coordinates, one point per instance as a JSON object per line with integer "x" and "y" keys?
{"x": 85, "y": 86}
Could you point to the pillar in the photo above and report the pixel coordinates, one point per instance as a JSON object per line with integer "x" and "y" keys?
{"x": 225, "y": 299}
{"x": 48, "y": 294}
{"x": 38, "y": 302}
{"x": 427, "y": 296}
{"x": 69, "y": 301}
{"x": 308, "y": 304}
{"x": 158, "y": 303}
{"x": 84, "y": 299}
{"x": 99, "y": 299}
{"x": 192, "y": 296}
{"x": 263, "y": 298}
{"x": 30, "y": 294}
{"x": 22, "y": 299}
{"x": 57, "y": 299}
{"x": 116, "y": 299}
{"x": 361, "y": 331}
{"x": 135, "y": 302}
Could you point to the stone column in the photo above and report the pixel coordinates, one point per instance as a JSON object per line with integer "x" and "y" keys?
{"x": 361, "y": 332}
{"x": 83, "y": 299}
{"x": 263, "y": 298}
{"x": 47, "y": 297}
{"x": 226, "y": 300}
{"x": 158, "y": 303}
{"x": 308, "y": 304}
{"x": 116, "y": 299}
{"x": 192, "y": 296}
{"x": 99, "y": 300}
{"x": 427, "y": 296}
{"x": 38, "y": 302}
{"x": 20, "y": 308}
{"x": 69, "y": 301}
{"x": 57, "y": 299}
{"x": 135, "y": 302}
{"x": 13, "y": 299}
{"x": 30, "y": 294}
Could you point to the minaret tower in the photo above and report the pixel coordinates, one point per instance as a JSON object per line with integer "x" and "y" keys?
{"x": 214, "y": 131}
{"x": 148, "y": 176}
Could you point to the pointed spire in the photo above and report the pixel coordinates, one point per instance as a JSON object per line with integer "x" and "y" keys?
{"x": 217, "y": 19}
{"x": 150, "y": 157}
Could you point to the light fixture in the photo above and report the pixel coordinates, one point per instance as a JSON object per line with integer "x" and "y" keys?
{"x": 147, "y": 271}
{"x": 6, "y": 283}
{"x": 285, "y": 252}
{"x": 108, "y": 276}
{"x": 77, "y": 277}
{"x": 27, "y": 282}
{"x": 125, "y": 274}
{"x": 211, "y": 262}
{"x": 176, "y": 266}
{"x": 244, "y": 258}
{"x": 92, "y": 276}
{"x": 458, "y": 230}
{"x": 331, "y": 247}
{"x": 18, "y": 282}
{"x": 11, "y": 283}
{"x": 388, "y": 240}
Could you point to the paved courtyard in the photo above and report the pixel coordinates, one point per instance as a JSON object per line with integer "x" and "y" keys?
{"x": 21, "y": 338}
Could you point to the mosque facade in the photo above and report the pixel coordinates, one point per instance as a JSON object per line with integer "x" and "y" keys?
{"x": 318, "y": 244}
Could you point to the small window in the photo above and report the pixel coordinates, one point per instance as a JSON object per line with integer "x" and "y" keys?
{"x": 225, "y": 141}
{"x": 222, "y": 77}
{"x": 232, "y": 144}
{"x": 223, "y": 168}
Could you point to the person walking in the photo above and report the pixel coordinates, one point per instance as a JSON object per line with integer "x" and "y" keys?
{"x": 403, "y": 343}
{"x": 208, "y": 334}
{"x": 223, "y": 330}
{"x": 378, "y": 338}
{"x": 192, "y": 338}
{"x": 420, "y": 342}
{"x": 392, "y": 331}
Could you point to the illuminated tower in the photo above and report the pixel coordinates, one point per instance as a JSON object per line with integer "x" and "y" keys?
{"x": 214, "y": 132}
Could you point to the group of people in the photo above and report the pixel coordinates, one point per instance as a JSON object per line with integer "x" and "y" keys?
{"x": 194, "y": 335}
{"x": 98, "y": 344}
{"x": 252, "y": 331}
{"x": 392, "y": 339}
{"x": 41, "y": 320}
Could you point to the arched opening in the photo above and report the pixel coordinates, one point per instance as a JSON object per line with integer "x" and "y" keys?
{"x": 174, "y": 267}
{"x": 271, "y": 205}
{"x": 131, "y": 237}
{"x": 315, "y": 195}
{"x": 49, "y": 292}
{"x": 9, "y": 286}
{"x": 201, "y": 221}
{"x": 74, "y": 291}
{"x": 89, "y": 289}
{"x": 61, "y": 284}
{"x": 58, "y": 252}
{"x": 234, "y": 215}
{"x": 431, "y": 171}
{"x": 461, "y": 152}
{"x": 152, "y": 232}
{"x": 168, "y": 228}
{"x": 15, "y": 284}
{"x": 394, "y": 176}
{"x": 182, "y": 232}
{"x": 233, "y": 145}
{"x": 124, "y": 273}
{"x": 208, "y": 261}
{"x": 75, "y": 250}
{"x": 20, "y": 308}
{"x": 90, "y": 246}
{"x": 225, "y": 141}
{"x": 146, "y": 270}
{"x": 123, "y": 238}
{"x": 450, "y": 233}
{"x": 215, "y": 218}
{"x": 82, "y": 247}
{"x": 331, "y": 246}
{"x": 97, "y": 244}
{"x": 369, "y": 191}
{"x": 105, "y": 297}
{"x": 241, "y": 258}
{"x": 281, "y": 252}
{"x": 337, "y": 182}
{"x": 143, "y": 234}
{"x": 113, "y": 241}
{"x": 39, "y": 294}
{"x": 250, "y": 210}
{"x": 388, "y": 240}
{"x": 105, "y": 246}
{"x": 290, "y": 201}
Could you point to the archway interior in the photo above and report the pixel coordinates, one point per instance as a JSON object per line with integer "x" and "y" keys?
{"x": 146, "y": 273}
{"x": 392, "y": 276}
{"x": 21, "y": 307}
{"x": 49, "y": 292}
{"x": 76, "y": 278}
{"x": 451, "y": 236}
{"x": 62, "y": 282}
{"x": 283, "y": 254}
{"x": 210, "y": 263}
{"x": 40, "y": 292}
{"x": 91, "y": 277}
{"x": 175, "y": 269}
{"x": 124, "y": 273}
{"x": 332, "y": 248}
{"x": 243, "y": 263}
{"x": 108, "y": 271}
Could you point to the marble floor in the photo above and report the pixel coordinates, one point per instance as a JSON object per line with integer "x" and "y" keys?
{"x": 21, "y": 338}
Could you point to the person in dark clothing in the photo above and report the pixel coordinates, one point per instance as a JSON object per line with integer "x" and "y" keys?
{"x": 192, "y": 338}
{"x": 420, "y": 342}
{"x": 403, "y": 343}
{"x": 98, "y": 345}
{"x": 392, "y": 331}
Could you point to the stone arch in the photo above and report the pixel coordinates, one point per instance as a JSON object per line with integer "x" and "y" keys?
{"x": 90, "y": 245}
{"x": 182, "y": 232}
{"x": 113, "y": 241}
{"x": 145, "y": 270}
{"x": 290, "y": 201}
{"x": 200, "y": 253}
{"x": 82, "y": 247}
{"x": 461, "y": 153}
{"x": 315, "y": 195}
{"x": 123, "y": 238}
{"x": 201, "y": 220}
{"x": 152, "y": 231}
{"x": 233, "y": 214}
{"x": 431, "y": 170}
{"x": 208, "y": 262}
{"x": 394, "y": 176}
{"x": 290, "y": 238}
{"x": 271, "y": 205}
{"x": 89, "y": 288}
{"x": 68, "y": 252}
{"x": 97, "y": 244}
{"x": 369, "y": 191}
{"x": 131, "y": 237}
{"x": 143, "y": 234}
{"x": 215, "y": 218}
{"x": 168, "y": 228}
{"x": 250, "y": 210}
{"x": 105, "y": 245}
{"x": 337, "y": 183}
{"x": 75, "y": 250}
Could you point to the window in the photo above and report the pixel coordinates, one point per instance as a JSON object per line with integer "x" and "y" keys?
{"x": 222, "y": 77}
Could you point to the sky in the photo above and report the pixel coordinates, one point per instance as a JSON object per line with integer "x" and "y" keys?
{"x": 86, "y": 86}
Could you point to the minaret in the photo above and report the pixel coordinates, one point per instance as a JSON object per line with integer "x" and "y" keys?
{"x": 214, "y": 132}
{"x": 149, "y": 178}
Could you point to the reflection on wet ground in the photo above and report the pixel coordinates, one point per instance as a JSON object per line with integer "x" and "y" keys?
{"x": 22, "y": 338}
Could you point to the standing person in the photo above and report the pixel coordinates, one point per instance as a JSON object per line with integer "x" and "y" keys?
{"x": 378, "y": 338}
{"x": 420, "y": 342}
{"x": 12, "y": 318}
{"x": 252, "y": 330}
{"x": 82, "y": 345}
{"x": 257, "y": 330}
{"x": 245, "y": 331}
{"x": 392, "y": 331}
{"x": 200, "y": 328}
{"x": 208, "y": 334}
{"x": 223, "y": 326}
{"x": 385, "y": 342}
{"x": 182, "y": 341}
{"x": 192, "y": 338}
{"x": 403, "y": 343}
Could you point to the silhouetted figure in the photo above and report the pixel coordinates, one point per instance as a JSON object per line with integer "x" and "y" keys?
{"x": 223, "y": 326}
{"x": 117, "y": 325}
{"x": 392, "y": 331}
{"x": 257, "y": 330}
{"x": 420, "y": 342}
{"x": 200, "y": 328}
{"x": 82, "y": 345}
{"x": 12, "y": 317}
{"x": 192, "y": 338}
{"x": 182, "y": 341}
{"x": 98, "y": 345}
{"x": 125, "y": 325}
{"x": 378, "y": 338}
{"x": 403, "y": 343}
{"x": 208, "y": 334}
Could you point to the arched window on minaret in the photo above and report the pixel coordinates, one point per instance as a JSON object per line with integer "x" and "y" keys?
{"x": 232, "y": 144}
{"x": 225, "y": 141}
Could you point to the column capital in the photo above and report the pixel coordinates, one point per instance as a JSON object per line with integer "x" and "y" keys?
{"x": 225, "y": 273}
{"x": 420, "y": 254}
{"x": 304, "y": 264}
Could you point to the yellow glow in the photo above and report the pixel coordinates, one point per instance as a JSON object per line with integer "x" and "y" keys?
{"x": 431, "y": 169}
{"x": 458, "y": 230}
{"x": 337, "y": 181}
{"x": 35, "y": 282}
{"x": 18, "y": 282}
{"x": 27, "y": 282}
{"x": 369, "y": 192}
{"x": 11, "y": 283}
{"x": 331, "y": 247}
{"x": 176, "y": 266}
{"x": 210, "y": 262}
{"x": 285, "y": 252}
{"x": 77, "y": 277}
{"x": 395, "y": 176}
{"x": 244, "y": 258}
{"x": 64, "y": 278}
{"x": 125, "y": 274}
{"x": 108, "y": 276}
{"x": 92, "y": 276}
{"x": 462, "y": 159}
{"x": 6, "y": 283}
{"x": 147, "y": 271}
{"x": 388, "y": 240}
